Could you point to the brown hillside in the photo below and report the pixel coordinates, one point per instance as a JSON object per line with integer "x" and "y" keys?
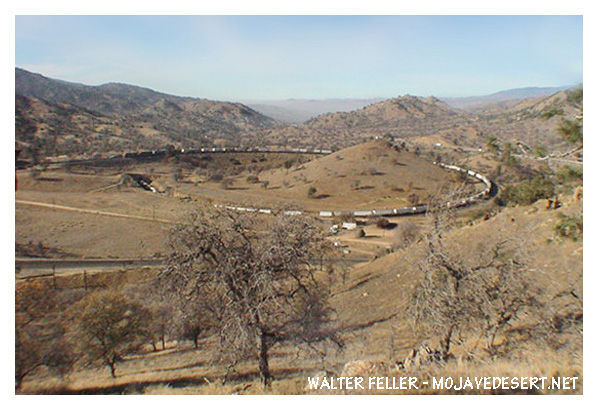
{"x": 372, "y": 305}
{"x": 78, "y": 119}
{"x": 533, "y": 121}
{"x": 365, "y": 176}
{"x": 405, "y": 116}
{"x": 379, "y": 293}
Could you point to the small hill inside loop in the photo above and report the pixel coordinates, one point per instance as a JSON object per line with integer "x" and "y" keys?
{"x": 376, "y": 178}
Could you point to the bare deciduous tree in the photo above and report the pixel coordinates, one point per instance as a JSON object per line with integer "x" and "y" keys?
{"x": 111, "y": 326}
{"x": 226, "y": 183}
{"x": 406, "y": 233}
{"x": 260, "y": 290}
{"x": 40, "y": 339}
{"x": 478, "y": 288}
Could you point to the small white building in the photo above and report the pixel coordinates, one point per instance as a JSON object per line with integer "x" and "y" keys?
{"x": 349, "y": 226}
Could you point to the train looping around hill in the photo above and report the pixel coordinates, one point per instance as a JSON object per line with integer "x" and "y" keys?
{"x": 392, "y": 212}
{"x": 486, "y": 193}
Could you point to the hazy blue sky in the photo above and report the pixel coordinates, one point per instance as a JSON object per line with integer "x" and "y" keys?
{"x": 272, "y": 57}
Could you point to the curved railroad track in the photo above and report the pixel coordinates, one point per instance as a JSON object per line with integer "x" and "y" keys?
{"x": 484, "y": 194}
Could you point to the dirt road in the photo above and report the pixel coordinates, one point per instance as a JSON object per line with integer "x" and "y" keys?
{"x": 89, "y": 211}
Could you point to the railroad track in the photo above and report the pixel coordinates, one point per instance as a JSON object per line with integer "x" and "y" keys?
{"x": 486, "y": 193}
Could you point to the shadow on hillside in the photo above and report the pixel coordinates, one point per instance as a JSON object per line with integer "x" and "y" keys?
{"x": 166, "y": 369}
{"x": 49, "y": 179}
{"x": 200, "y": 380}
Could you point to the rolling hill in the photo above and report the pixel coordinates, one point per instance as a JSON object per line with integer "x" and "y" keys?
{"x": 365, "y": 176}
{"x": 503, "y": 96}
{"x": 534, "y": 121}
{"x": 300, "y": 110}
{"x": 140, "y": 118}
{"x": 402, "y": 117}
{"x": 68, "y": 118}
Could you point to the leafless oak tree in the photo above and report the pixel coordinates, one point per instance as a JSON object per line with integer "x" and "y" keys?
{"x": 110, "y": 325}
{"x": 469, "y": 287}
{"x": 40, "y": 338}
{"x": 253, "y": 278}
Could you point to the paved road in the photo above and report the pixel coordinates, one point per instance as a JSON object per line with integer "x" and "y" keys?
{"x": 38, "y": 267}
{"x": 32, "y": 267}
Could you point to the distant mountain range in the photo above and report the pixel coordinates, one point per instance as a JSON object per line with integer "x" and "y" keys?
{"x": 401, "y": 117}
{"x": 505, "y": 95}
{"x": 56, "y": 117}
{"x": 429, "y": 120}
{"x": 295, "y": 111}
{"x": 66, "y": 117}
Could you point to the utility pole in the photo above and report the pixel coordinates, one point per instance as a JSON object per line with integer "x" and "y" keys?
{"x": 54, "y": 277}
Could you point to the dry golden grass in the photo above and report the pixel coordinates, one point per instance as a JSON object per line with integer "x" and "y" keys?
{"x": 370, "y": 302}
{"x": 365, "y": 176}
{"x": 532, "y": 363}
{"x": 374, "y": 168}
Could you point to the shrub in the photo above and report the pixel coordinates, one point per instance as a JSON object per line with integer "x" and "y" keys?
{"x": 492, "y": 144}
{"x": 383, "y": 223}
{"x": 407, "y": 233}
{"x": 575, "y": 96}
{"x": 252, "y": 179}
{"x": 217, "y": 177}
{"x": 540, "y": 151}
{"x": 226, "y": 183}
{"x": 312, "y": 191}
{"x": 571, "y": 130}
{"x": 569, "y": 226}
{"x": 554, "y": 111}
{"x": 508, "y": 155}
{"x": 568, "y": 174}
{"x": 413, "y": 199}
{"x": 527, "y": 192}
